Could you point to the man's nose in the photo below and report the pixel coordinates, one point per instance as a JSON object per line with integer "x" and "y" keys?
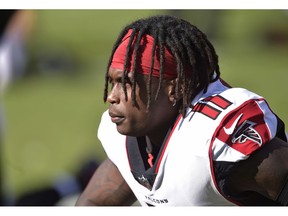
{"x": 113, "y": 96}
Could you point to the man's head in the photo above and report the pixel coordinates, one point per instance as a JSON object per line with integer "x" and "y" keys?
{"x": 168, "y": 56}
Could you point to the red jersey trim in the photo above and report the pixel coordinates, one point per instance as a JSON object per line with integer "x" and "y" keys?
{"x": 167, "y": 141}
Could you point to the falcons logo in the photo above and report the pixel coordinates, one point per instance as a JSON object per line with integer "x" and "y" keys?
{"x": 246, "y": 131}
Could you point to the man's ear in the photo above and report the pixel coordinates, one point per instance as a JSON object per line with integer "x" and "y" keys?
{"x": 172, "y": 92}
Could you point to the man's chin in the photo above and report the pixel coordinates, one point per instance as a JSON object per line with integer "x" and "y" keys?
{"x": 126, "y": 132}
{"x": 122, "y": 131}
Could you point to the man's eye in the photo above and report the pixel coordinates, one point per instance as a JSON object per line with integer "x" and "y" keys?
{"x": 111, "y": 86}
{"x": 118, "y": 83}
{"x": 128, "y": 81}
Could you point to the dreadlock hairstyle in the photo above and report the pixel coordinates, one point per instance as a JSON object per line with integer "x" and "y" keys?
{"x": 197, "y": 61}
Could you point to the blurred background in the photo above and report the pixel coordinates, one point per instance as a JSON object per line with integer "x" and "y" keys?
{"x": 51, "y": 100}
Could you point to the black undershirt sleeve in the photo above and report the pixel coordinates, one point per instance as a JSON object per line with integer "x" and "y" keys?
{"x": 222, "y": 171}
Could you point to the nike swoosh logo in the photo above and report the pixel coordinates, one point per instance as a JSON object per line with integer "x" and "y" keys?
{"x": 230, "y": 130}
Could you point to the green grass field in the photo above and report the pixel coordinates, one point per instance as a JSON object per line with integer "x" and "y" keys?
{"x": 52, "y": 114}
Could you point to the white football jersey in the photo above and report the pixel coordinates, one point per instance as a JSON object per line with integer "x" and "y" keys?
{"x": 226, "y": 125}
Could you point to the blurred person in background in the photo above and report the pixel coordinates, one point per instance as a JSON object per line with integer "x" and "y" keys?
{"x": 176, "y": 134}
{"x": 15, "y": 29}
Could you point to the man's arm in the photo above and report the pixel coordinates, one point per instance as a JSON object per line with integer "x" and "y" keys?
{"x": 264, "y": 172}
{"x": 106, "y": 188}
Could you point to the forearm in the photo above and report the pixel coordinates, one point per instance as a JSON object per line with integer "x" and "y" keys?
{"x": 106, "y": 197}
{"x": 106, "y": 188}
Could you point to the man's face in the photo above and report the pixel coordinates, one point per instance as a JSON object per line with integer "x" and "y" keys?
{"x": 137, "y": 120}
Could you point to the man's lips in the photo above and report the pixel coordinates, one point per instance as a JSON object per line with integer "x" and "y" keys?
{"x": 116, "y": 118}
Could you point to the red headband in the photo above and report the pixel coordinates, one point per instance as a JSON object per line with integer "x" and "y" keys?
{"x": 144, "y": 63}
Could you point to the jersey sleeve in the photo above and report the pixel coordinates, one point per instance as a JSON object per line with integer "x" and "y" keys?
{"x": 241, "y": 132}
{"x": 244, "y": 130}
